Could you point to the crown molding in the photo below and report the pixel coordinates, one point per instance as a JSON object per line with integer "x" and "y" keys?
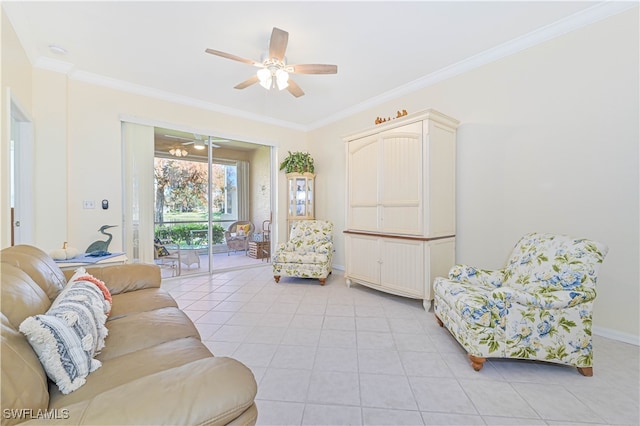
{"x": 566, "y": 25}
{"x": 137, "y": 89}
{"x": 571, "y": 23}
{"x": 54, "y": 65}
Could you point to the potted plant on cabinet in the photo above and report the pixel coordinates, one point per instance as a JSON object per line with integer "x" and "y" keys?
{"x": 298, "y": 162}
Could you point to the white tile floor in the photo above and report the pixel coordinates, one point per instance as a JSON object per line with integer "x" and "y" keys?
{"x": 330, "y": 355}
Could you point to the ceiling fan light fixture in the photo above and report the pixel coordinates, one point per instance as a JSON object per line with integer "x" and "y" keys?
{"x": 199, "y": 146}
{"x": 265, "y": 78}
{"x": 282, "y": 79}
{"x": 178, "y": 152}
{"x": 274, "y": 71}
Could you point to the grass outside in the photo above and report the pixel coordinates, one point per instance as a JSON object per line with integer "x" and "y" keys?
{"x": 188, "y": 217}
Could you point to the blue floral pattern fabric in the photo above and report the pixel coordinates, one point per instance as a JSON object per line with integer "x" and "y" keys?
{"x": 538, "y": 307}
{"x": 308, "y": 253}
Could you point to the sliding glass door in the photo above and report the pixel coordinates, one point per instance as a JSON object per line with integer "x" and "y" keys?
{"x": 195, "y": 204}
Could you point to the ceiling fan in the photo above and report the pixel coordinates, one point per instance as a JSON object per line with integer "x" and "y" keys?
{"x": 198, "y": 142}
{"x": 274, "y": 70}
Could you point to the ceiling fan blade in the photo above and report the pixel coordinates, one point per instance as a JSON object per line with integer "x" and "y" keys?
{"x": 232, "y": 57}
{"x": 188, "y": 143}
{"x": 314, "y": 69}
{"x": 278, "y": 43}
{"x": 247, "y": 83}
{"x": 294, "y": 89}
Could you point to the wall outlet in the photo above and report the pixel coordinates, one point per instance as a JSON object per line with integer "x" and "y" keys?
{"x": 88, "y": 204}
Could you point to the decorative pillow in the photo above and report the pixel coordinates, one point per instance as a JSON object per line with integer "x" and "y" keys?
{"x": 108, "y": 301}
{"x": 72, "y": 331}
{"x": 244, "y": 229}
{"x": 64, "y": 339}
{"x": 160, "y": 249}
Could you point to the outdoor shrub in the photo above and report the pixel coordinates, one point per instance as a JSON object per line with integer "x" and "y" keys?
{"x": 181, "y": 234}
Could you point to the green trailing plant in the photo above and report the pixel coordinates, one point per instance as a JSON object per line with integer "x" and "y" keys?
{"x": 298, "y": 162}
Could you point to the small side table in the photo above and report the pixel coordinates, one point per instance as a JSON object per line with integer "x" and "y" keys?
{"x": 117, "y": 259}
{"x": 259, "y": 249}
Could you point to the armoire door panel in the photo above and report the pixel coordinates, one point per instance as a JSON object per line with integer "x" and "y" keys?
{"x": 363, "y": 218}
{"x": 362, "y": 185}
{"x": 402, "y": 265}
{"x": 364, "y": 260}
{"x": 401, "y": 219}
{"x": 401, "y": 192}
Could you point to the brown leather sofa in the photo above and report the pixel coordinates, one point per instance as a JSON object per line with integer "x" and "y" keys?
{"x": 155, "y": 370}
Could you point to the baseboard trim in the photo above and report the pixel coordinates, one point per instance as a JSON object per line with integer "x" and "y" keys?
{"x": 617, "y": 335}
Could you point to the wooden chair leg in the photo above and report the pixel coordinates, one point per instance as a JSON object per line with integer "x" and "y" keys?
{"x": 476, "y": 362}
{"x": 277, "y": 278}
{"x": 586, "y": 371}
{"x": 322, "y": 281}
{"x": 440, "y": 323}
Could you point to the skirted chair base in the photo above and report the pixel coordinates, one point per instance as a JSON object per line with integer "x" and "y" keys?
{"x": 539, "y": 307}
{"x": 307, "y": 254}
{"x": 477, "y": 362}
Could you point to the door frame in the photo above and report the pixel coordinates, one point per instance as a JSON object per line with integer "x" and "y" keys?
{"x": 273, "y": 164}
{"x": 21, "y": 174}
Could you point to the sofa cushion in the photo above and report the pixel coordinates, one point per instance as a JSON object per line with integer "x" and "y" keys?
{"x": 301, "y": 257}
{"x": 210, "y": 391}
{"x": 123, "y": 369}
{"x": 21, "y": 297}
{"x": 38, "y": 265}
{"x": 146, "y": 329}
{"x": 128, "y": 278}
{"x": 24, "y": 382}
{"x": 140, "y": 301}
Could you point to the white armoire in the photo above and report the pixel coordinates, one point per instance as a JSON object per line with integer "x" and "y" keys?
{"x": 401, "y": 204}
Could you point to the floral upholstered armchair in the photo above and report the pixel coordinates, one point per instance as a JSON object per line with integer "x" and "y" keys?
{"x": 538, "y": 307}
{"x": 307, "y": 254}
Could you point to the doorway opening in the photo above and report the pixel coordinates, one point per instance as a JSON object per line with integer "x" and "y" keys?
{"x": 212, "y": 203}
{"x": 21, "y": 176}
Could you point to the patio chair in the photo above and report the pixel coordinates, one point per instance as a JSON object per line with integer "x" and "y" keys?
{"x": 238, "y": 236}
{"x": 167, "y": 255}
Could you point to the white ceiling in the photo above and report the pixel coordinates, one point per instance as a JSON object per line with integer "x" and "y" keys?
{"x": 382, "y": 49}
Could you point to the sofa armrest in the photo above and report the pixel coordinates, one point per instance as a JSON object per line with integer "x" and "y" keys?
{"x": 474, "y": 276}
{"x": 211, "y": 391}
{"x": 124, "y": 278}
{"x": 556, "y": 299}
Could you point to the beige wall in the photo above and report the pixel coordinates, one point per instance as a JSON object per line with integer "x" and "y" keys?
{"x": 260, "y": 183}
{"x": 95, "y": 147}
{"x": 548, "y": 142}
{"x": 16, "y": 79}
{"x": 78, "y": 150}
